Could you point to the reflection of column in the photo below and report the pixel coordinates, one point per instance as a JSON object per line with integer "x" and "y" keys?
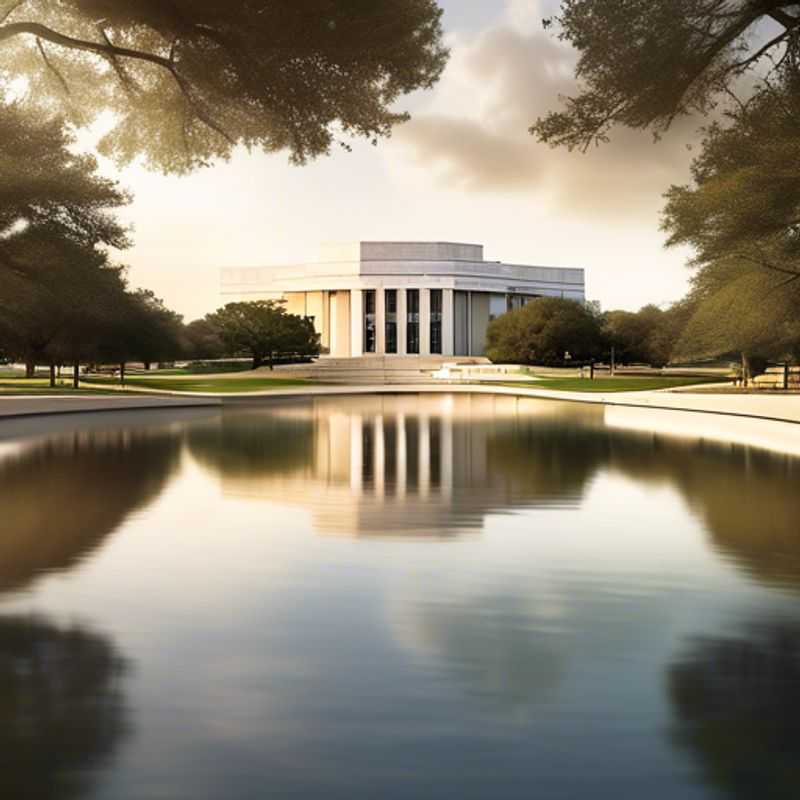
{"x": 424, "y": 456}
{"x": 424, "y": 322}
{"x": 380, "y": 321}
{"x": 356, "y": 323}
{"x": 446, "y": 448}
{"x": 401, "y": 454}
{"x": 379, "y": 457}
{"x": 448, "y": 322}
{"x": 401, "y": 322}
{"x": 356, "y": 453}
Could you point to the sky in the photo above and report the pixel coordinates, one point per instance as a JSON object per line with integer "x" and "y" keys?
{"x": 464, "y": 168}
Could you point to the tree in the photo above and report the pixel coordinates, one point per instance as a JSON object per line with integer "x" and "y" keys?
{"x": 201, "y": 340}
{"x": 143, "y": 329}
{"x": 188, "y": 80}
{"x": 745, "y": 199}
{"x": 627, "y": 333}
{"x": 543, "y": 331}
{"x": 642, "y": 63}
{"x": 44, "y": 183}
{"x": 740, "y": 308}
{"x": 646, "y": 336}
{"x": 264, "y": 330}
{"x": 55, "y": 294}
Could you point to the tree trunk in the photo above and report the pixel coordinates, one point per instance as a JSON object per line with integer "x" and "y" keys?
{"x": 591, "y": 371}
{"x": 30, "y": 369}
{"x": 59, "y": 371}
{"x": 76, "y": 375}
{"x": 786, "y": 376}
{"x": 147, "y": 365}
{"x": 257, "y": 361}
{"x": 52, "y": 376}
{"x": 745, "y": 370}
{"x": 271, "y": 361}
{"x": 122, "y": 373}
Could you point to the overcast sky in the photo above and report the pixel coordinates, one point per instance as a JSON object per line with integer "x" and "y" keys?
{"x": 464, "y": 169}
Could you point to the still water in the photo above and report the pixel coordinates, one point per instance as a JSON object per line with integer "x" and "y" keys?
{"x": 420, "y": 597}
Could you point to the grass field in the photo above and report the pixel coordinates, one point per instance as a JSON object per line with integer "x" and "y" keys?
{"x": 261, "y": 383}
{"x": 23, "y": 386}
{"x": 626, "y": 384}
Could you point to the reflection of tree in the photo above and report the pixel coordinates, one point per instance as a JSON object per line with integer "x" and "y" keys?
{"x": 737, "y": 703}
{"x": 61, "y": 498}
{"x": 548, "y": 458}
{"x": 61, "y": 708}
{"x": 254, "y": 444}
{"x": 748, "y": 499}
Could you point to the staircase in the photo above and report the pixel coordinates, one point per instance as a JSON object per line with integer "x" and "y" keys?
{"x": 374, "y": 370}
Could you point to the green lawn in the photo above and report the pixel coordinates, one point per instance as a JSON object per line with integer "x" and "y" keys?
{"x": 216, "y": 385}
{"x": 23, "y": 386}
{"x": 624, "y": 384}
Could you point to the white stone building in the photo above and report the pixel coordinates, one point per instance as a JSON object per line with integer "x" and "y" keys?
{"x": 403, "y": 298}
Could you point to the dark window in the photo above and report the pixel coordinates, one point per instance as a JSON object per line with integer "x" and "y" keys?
{"x": 412, "y": 321}
{"x": 391, "y": 320}
{"x": 370, "y": 338}
{"x": 436, "y": 321}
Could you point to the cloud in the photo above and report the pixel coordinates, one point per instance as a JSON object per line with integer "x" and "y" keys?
{"x": 474, "y": 135}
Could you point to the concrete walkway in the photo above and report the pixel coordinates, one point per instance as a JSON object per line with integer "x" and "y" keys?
{"x": 782, "y": 408}
{"x": 35, "y": 405}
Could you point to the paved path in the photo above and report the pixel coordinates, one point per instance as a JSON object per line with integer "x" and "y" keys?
{"x": 784, "y": 408}
{"x": 766, "y": 421}
{"x": 35, "y": 405}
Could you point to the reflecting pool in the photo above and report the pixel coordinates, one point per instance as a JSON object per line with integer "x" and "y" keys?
{"x": 396, "y": 597}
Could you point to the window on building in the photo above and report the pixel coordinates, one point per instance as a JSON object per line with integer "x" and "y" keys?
{"x": 391, "y": 320}
{"x": 412, "y": 321}
{"x": 436, "y": 321}
{"x": 370, "y": 331}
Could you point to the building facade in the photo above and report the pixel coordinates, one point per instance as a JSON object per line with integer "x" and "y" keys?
{"x": 402, "y": 298}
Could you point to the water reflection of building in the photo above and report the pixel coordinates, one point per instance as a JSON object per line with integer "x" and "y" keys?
{"x": 401, "y": 464}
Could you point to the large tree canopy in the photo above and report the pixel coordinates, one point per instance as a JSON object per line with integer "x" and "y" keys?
{"x": 745, "y": 199}
{"x": 44, "y": 183}
{"x": 642, "y": 63}
{"x": 543, "y": 332}
{"x": 187, "y": 80}
{"x": 740, "y": 308}
{"x": 264, "y": 330}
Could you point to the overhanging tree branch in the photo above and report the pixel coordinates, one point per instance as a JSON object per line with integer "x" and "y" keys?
{"x": 110, "y": 51}
{"x": 52, "y": 67}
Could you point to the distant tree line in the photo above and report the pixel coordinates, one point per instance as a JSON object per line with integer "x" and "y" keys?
{"x": 63, "y": 299}
{"x": 710, "y": 323}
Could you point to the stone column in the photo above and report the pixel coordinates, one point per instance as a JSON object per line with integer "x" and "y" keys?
{"x": 380, "y": 322}
{"x": 448, "y": 322}
{"x": 401, "y": 322}
{"x": 356, "y": 323}
{"x": 424, "y": 322}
